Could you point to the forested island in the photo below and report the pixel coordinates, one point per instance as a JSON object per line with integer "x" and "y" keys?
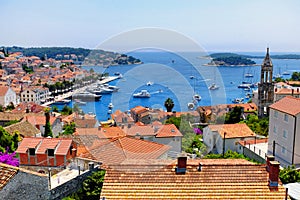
{"x": 78, "y": 55}
{"x": 229, "y": 59}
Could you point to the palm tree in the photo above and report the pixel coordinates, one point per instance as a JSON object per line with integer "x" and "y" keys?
{"x": 169, "y": 104}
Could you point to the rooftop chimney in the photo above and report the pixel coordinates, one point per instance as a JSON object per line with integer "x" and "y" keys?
{"x": 181, "y": 165}
{"x": 269, "y": 158}
{"x": 273, "y": 173}
{"x": 99, "y": 128}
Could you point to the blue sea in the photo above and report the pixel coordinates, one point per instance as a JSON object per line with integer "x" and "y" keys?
{"x": 178, "y": 76}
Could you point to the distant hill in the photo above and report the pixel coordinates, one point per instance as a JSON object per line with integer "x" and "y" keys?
{"x": 283, "y": 56}
{"x": 94, "y": 57}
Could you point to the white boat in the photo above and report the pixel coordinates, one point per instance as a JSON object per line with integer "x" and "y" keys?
{"x": 86, "y": 96}
{"x": 192, "y": 77}
{"x": 62, "y": 102}
{"x": 149, "y": 83}
{"x": 248, "y": 75}
{"x": 79, "y": 102}
{"x": 197, "y": 97}
{"x": 248, "y": 95}
{"x": 110, "y": 105}
{"x": 142, "y": 94}
{"x": 111, "y": 87}
{"x": 247, "y": 88}
{"x": 100, "y": 89}
{"x": 238, "y": 100}
{"x": 286, "y": 73}
{"x": 191, "y": 106}
{"x": 213, "y": 86}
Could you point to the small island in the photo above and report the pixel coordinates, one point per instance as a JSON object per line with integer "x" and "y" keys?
{"x": 229, "y": 59}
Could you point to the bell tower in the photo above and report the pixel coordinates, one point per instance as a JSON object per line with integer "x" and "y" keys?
{"x": 265, "y": 87}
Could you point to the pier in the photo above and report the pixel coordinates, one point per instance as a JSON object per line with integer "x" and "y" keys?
{"x": 69, "y": 94}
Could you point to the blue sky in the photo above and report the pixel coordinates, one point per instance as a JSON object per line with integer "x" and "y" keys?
{"x": 216, "y": 25}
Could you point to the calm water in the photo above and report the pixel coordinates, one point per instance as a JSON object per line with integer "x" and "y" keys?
{"x": 171, "y": 76}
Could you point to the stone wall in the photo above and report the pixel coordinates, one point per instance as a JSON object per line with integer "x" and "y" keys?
{"x": 250, "y": 154}
{"x": 69, "y": 187}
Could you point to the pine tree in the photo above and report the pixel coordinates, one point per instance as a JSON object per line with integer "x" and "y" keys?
{"x": 48, "y": 131}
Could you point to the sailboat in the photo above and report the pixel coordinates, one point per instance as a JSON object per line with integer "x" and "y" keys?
{"x": 214, "y": 86}
{"x": 286, "y": 72}
{"x": 248, "y": 75}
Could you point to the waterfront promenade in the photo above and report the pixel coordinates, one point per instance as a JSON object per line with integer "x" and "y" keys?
{"x": 69, "y": 94}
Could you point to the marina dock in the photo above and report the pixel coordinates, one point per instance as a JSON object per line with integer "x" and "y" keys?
{"x": 69, "y": 94}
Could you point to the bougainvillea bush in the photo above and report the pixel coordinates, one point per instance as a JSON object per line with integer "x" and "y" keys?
{"x": 9, "y": 158}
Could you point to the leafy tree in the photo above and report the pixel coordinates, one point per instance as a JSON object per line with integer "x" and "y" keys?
{"x": 1, "y": 108}
{"x": 92, "y": 71}
{"x": 169, "y": 104}
{"x": 295, "y": 76}
{"x": 234, "y": 116}
{"x": 8, "y": 141}
{"x": 55, "y": 109}
{"x": 289, "y": 175}
{"x": 228, "y": 155}
{"x": 48, "y": 131}
{"x": 66, "y": 110}
{"x": 10, "y": 106}
{"x": 91, "y": 187}
{"x": 69, "y": 128}
{"x": 258, "y": 126}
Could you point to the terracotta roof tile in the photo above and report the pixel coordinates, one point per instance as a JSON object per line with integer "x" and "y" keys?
{"x": 232, "y": 130}
{"x": 288, "y": 104}
{"x": 24, "y": 128}
{"x": 168, "y": 130}
{"x": 4, "y": 116}
{"x": 39, "y": 119}
{"x": 218, "y": 179}
{"x": 7, "y": 172}
{"x": 141, "y": 130}
{"x": 85, "y": 123}
{"x": 61, "y": 145}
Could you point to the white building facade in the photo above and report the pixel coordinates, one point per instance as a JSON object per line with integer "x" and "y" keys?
{"x": 284, "y": 131}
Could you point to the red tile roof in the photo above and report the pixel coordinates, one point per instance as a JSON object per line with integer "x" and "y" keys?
{"x": 168, "y": 130}
{"x": 116, "y": 150}
{"x": 232, "y": 130}
{"x": 218, "y": 179}
{"x": 7, "y": 172}
{"x": 140, "y": 130}
{"x": 288, "y": 104}
{"x": 103, "y": 133}
{"x": 38, "y": 119}
{"x": 41, "y": 145}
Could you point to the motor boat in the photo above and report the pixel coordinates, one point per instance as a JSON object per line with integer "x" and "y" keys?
{"x": 149, "y": 83}
{"x": 197, "y": 97}
{"x": 142, "y": 94}
{"x": 238, "y": 100}
{"x": 213, "y": 86}
{"x": 110, "y": 105}
{"x": 87, "y": 96}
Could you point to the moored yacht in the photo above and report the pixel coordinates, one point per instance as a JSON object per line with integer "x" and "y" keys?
{"x": 87, "y": 96}
{"x": 213, "y": 86}
{"x": 142, "y": 94}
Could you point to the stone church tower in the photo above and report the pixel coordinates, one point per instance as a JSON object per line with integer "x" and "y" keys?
{"x": 265, "y": 87}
